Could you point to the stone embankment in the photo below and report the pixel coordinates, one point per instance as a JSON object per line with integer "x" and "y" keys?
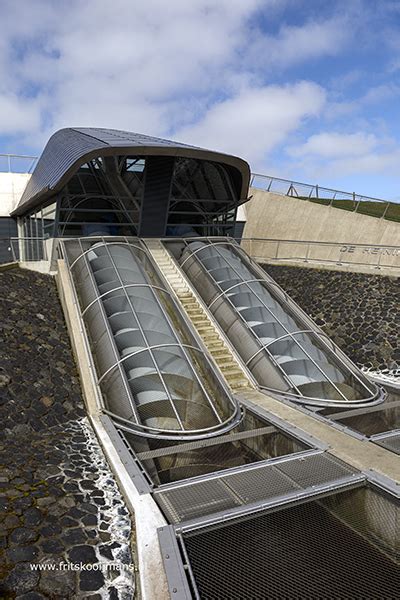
{"x": 360, "y": 313}
{"x": 59, "y": 502}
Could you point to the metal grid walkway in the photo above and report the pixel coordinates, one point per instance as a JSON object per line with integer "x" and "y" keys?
{"x": 246, "y": 490}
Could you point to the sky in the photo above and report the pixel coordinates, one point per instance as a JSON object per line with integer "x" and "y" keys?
{"x": 306, "y": 90}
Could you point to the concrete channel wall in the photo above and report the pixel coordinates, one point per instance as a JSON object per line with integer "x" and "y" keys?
{"x": 276, "y": 216}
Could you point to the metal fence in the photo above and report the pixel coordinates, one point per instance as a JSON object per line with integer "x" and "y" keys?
{"x": 17, "y": 163}
{"x": 334, "y": 253}
{"x": 350, "y": 201}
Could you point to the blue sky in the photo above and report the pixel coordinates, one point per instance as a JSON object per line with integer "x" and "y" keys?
{"x": 306, "y": 90}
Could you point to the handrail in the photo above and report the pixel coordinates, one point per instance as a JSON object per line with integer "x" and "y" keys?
{"x": 317, "y": 242}
{"x": 315, "y": 187}
{"x": 10, "y": 163}
{"x": 25, "y": 249}
{"x": 290, "y": 187}
{"x": 340, "y": 253}
{"x": 323, "y": 195}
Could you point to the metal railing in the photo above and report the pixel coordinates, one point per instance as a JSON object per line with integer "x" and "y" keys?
{"x": 25, "y": 249}
{"x": 335, "y": 253}
{"x": 17, "y": 163}
{"x": 350, "y": 201}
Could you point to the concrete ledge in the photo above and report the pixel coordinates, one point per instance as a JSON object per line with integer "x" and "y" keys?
{"x": 147, "y": 515}
{"x": 10, "y": 265}
{"x": 40, "y": 266}
{"x": 344, "y": 267}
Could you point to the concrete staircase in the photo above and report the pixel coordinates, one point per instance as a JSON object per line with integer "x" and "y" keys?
{"x": 210, "y": 334}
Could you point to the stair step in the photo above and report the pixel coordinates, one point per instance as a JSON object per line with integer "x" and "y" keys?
{"x": 232, "y": 374}
{"x": 217, "y": 346}
{"x": 198, "y": 319}
{"x": 239, "y": 384}
{"x": 221, "y": 353}
{"x": 226, "y": 366}
{"x": 212, "y": 350}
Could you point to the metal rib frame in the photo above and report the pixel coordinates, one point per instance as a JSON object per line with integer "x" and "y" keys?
{"x": 288, "y": 334}
{"x": 263, "y": 346}
{"x": 223, "y": 423}
{"x": 322, "y": 337}
{"x": 330, "y": 348}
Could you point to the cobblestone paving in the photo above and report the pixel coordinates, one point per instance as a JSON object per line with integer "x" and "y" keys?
{"x": 359, "y": 312}
{"x": 58, "y": 499}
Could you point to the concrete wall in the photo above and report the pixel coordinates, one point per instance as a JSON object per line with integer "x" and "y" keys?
{"x": 12, "y": 186}
{"x": 276, "y": 216}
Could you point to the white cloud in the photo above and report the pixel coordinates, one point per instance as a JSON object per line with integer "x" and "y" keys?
{"x": 296, "y": 44}
{"x": 332, "y": 145}
{"x": 380, "y": 93}
{"x": 18, "y": 115}
{"x": 165, "y": 68}
{"x": 332, "y": 154}
{"x": 256, "y": 120}
{"x": 141, "y": 66}
{"x": 379, "y": 163}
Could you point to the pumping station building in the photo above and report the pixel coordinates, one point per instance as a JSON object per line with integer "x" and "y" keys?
{"x": 178, "y": 412}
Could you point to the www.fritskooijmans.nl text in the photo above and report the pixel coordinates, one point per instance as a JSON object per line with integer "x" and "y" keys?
{"x": 71, "y": 566}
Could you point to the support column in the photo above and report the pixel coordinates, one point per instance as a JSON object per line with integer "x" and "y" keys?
{"x": 156, "y": 197}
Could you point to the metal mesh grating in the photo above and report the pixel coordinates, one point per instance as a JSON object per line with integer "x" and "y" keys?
{"x": 249, "y": 486}
{"x": 315, "y": 470}
{"x": 375, "y": 420}
{"x": 390, "y": 443}
{"x": 252, "y": 441}
{"x": 340, "y": 547}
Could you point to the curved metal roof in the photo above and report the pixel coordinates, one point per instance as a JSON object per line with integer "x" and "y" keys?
{"x": 69, "y": 148}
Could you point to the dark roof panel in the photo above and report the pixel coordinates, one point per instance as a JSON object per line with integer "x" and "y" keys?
{"x": 69, "y": 148}
{"x": 128, "y": 138}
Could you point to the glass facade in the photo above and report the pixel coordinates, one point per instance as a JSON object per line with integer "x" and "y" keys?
{"x": 203, "y": 199}
{"x": 102, "y": 198}
{"x": 105, "y": 197}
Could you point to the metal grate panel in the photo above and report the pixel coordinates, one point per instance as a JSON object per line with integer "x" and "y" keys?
{"x": 315, "y": 470}
{"x": 254, "y": 440}
{"x": 381, "y": 424}
{"x": 249, "y": 486}
{"x": 390, "y": 443}
{"x": 342, "y": 546}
